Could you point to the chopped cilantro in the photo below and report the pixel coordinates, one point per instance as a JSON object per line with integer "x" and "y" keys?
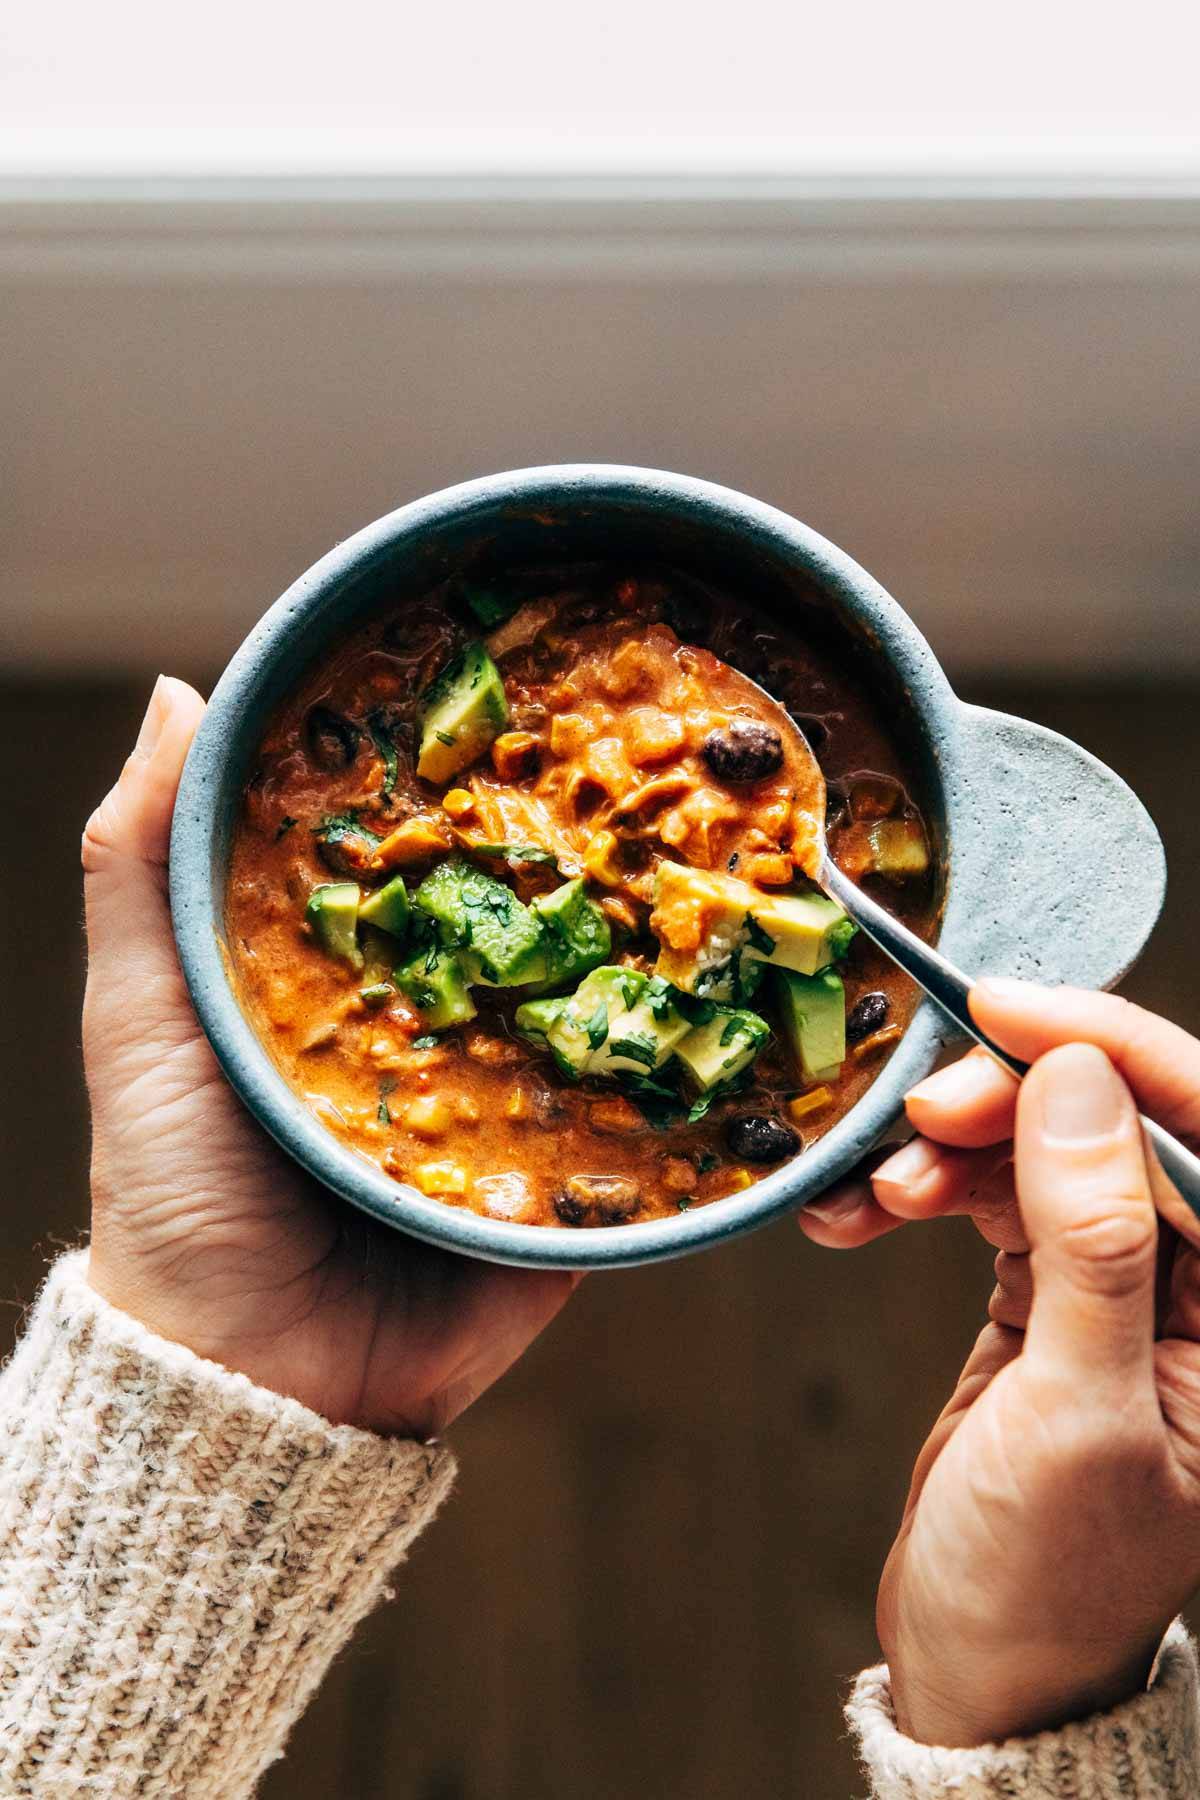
{"x": 597, "y": 1026}
{"x": 431, "y": 959}
{"x": 377, "y": 725}
{"x": 386, "y": 1086}
{"x": 684, "y": 1201}
{"x": 285, "y": 825}
{"x": 757, "y": 937}
{"x": 840, "y": 938}
{"x": 491, "y": 609}
{"x": 701, "y": 1106}
{"x": 696, "y": 1011}
{"x": 428, "y": 1042}
{"x": 706, "y": 1162}
{"x": 444, "y": 737}
{"x": 733, "y": 1028}
{"x": 659, "y": 996}
{"x": 631, "y": 987}
{"x": 638, "y": 1047}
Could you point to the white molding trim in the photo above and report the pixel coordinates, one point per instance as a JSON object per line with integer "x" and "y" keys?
{"x": 730, "y": 228}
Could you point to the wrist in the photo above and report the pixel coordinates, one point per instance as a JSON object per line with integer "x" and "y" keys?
{"x": 957, "y": 1707}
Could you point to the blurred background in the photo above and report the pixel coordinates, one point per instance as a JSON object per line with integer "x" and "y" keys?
{"x": 929, "y": 281}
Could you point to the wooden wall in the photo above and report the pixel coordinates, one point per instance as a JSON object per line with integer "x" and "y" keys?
{"x": 658, "y": 1571}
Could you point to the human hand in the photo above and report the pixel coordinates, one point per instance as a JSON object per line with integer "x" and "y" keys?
{"x": 1053, "y": 1525}
{"x": 201, "y": 1226}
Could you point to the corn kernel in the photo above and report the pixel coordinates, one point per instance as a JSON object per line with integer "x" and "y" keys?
{"x": 515, "y": 754}
{"x": 741, "y": 1178}
{"x": 599, "y": 859}
{"x": 812, "y": 1102}
{"x": 440, "y": 1178}
{"x": 519, "y": 1105}
{"x": 458, "y": 802}
{"x": 428, "y": 1116}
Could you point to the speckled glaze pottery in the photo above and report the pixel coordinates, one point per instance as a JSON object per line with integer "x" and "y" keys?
{"x": 1052, "y": 868}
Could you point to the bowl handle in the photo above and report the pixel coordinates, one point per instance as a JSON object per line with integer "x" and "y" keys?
{"x": 1059, "y": 871}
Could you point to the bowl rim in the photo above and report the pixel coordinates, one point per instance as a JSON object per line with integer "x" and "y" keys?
{"x": 199, "y": 926}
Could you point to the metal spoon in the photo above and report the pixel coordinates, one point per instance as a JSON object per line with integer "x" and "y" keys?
{"x": 945, "y": 984}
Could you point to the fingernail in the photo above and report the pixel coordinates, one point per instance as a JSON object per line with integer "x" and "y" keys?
{"x": 155, "y": 719}
{"x": 1083, "y": 1098}
{"x": 908, "y": 1166}
{"x": 833, "y": 1207}
{"x": 959, "y": 1085}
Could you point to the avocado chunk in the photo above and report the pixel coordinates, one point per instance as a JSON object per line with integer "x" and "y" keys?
{"x": 465, "y": 708}
{"x": 436, "y": 983}
{"x": 813, "y": 1008}
{"x": 805, "y": 932}
{"x": 697, "y": 904}
{"x": 332, "y": 911}
{"x": 387, "y": 908}
{"x": 716, "y": 1052}
{"x": 739, "y": 928}
{"x": 499, "y": 939}
{"x": 617, "y": 1023}
{"x": 576, "y": 935}
{"x": 899, "y": 850}
{"x": 642, "y": 1037}
{"x": 533, "y": 1019}
{"x": 586, "y": 1017}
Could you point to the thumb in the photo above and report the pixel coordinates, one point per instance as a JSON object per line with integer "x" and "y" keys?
{"x": 1086, "y": 1205}
{"x": 134, "y": 982}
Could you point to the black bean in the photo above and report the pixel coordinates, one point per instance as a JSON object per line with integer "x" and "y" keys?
{"x": 597, "y": 1200}
{"x": 743, "y": 750}
{"x": 866, "y": 1016}
{"x": 331, "y": 739}
{"x": 759, "y": 1138}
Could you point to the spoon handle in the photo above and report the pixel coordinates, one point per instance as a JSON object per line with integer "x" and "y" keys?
{"x": 949, "y": 987}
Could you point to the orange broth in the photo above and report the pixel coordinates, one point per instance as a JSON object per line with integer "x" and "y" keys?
{"x": 601, "y": 767}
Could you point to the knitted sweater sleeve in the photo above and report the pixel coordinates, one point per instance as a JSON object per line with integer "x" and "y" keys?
{"x": 1146, "y": 1749}
{"x": 181, "y": 1556}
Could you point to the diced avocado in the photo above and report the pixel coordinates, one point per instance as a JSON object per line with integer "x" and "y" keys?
{"x": 387, "y": 908}
{"x": 465, "y": 709}
{"x": 577, "y": 936}
{"x": 436, "y": 983}
{"x": 813, "y": 1008}
{"x": 332, "y": 911}
{"x": 499, "y": 938}
{"x": 805, "y": 932}
{"x": 534, "y": 1018}
{"x": 642, "y": 1037}
{"x": 618, "y": 1022}
{"x": 740, "y": 927}
{"x": 707, "y": 914}
{"x": 716, "y": 1052}
{"x": 379, "y": 954}
{"x": 582, "y": 1026}
{"x": 899, "y": 848}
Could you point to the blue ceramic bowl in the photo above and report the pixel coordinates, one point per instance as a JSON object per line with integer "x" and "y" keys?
{"x": 1051, "y": 868}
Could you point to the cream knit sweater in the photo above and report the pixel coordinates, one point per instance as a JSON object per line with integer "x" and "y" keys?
{"x": 182, "y": 1554}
